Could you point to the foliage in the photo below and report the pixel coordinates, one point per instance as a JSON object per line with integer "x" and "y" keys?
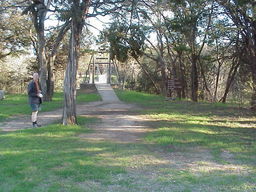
{"x": 15, "y": 73}
{"x": 118, "y": 45}
{"x": 125, "y": 40}
{"x": 200, "y": 43}
{"x": 14, "y": 32}
{"x": 194, "y": 41}
{"x": 17, "y": 35}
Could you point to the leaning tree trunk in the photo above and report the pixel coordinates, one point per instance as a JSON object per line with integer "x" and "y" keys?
{"x": 252, "y": 62}
{"x": 148, "y": 75}
{"x": 217, "y": 82}
{"x": 231, "y": 77}
{"x": 69, "y": 111}
{"x": 51, "y": 60}
{"x": 194, "y": 79}
{"x": 253, "y": 99}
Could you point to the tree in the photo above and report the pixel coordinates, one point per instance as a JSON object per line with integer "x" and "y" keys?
{"x": 193, "y": 19}
{"x": 53, "y": 45}
{"x": 46, "y": 55}
{"x": 243, "y": 15}
{"x": 14, "y": 31}
{"x": 153, "y": 15}
{"x": 38, "y": 10}
{"x": 77, "y": 11}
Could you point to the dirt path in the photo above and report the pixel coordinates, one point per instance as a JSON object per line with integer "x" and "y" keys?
{"x": 118, "y": 121}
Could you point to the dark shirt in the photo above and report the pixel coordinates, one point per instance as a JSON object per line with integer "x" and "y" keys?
{"x": 32, "y": 94}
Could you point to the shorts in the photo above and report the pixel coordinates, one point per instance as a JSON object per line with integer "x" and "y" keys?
{"x": 35, "y": 107}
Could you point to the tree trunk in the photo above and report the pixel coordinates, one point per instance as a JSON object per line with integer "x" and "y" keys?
{"x": 117, "y": 71}
{"x": 252, "y": 61}
{"x": 41, "y": 55}
{"x": 39, "y": 11}
{"x": 164, "y": 75}
{"x": 217, "y": 82}
{"x": 147, "y": 73}
{"x": 253, "y": 99}
{"x": 79, "y": 12}
{"x": 69, "y": 111}
{"x": 204, "y": 79}
{"x": 194, "y": 79}
{"x": 42, "y": 64}
{"x": 51, "y": 78}
{"x": 183, "y": 84}
{"x": 247, "y": 29}
{"x": 182, "y": 77}
{"x": 231, "y": 76}
{"x": 51, "y": 60}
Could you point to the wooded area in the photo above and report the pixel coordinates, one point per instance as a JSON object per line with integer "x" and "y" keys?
{"x": 208, "y": 46}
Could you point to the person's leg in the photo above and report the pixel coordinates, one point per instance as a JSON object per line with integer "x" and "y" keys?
{"x": 34, "y": 114}
{"x": 34, "y": 118}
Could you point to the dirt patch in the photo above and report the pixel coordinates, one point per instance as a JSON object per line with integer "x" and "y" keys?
{"x": 119, "y": 122}
{"x": 24, "y": 121}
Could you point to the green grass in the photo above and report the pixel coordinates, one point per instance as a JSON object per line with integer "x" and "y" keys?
{"x": 158, "y": 104}
{"x": 17, "y": 104}
{"x": 58, "y": 158}
{"x": 183, "y": 153}
{"x": 184, "y": 123}
{"x": 184, "y": 127}
{"x": 139, "y": 98}
{"x": 82, "y": 98}
{"x": 52, "y": 158}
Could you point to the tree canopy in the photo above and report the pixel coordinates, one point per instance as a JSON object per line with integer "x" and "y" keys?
{"x": 206, "y": 47}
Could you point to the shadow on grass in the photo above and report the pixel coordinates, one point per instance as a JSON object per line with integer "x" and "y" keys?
{"x": 52, "y": 154}
{"x": 54, "y": 158}
{"x": 210, "y": 181}
{"x": 183, "y": 135}
{"x": 200, "y": 109}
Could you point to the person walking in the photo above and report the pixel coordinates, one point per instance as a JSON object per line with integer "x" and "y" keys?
{"x": 35, "y": 98}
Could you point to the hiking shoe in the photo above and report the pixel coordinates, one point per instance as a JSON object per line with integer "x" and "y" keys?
{"x": 35, "y": 125}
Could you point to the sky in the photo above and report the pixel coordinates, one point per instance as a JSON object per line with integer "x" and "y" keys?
{"x": 95, "y": 24}
{"x": 98, "y": 23}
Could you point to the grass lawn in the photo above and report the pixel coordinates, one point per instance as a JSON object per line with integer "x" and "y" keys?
{"x": 192, "y": 147}
{"x": 17, "y": 104}
{"x": 52, "y": 158}
{"x": 57, "y": 158}
{"x": 226, "y": 131}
